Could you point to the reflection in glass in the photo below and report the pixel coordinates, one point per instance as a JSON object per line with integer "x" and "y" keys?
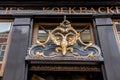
{"x": 42, "y": 34}
{"x": 85, "y": 36}
{"x": 117, "y": 30}
{"x": 5, "y": 27}
{"x": 65, "y": 75}
{"x": 84, "y": 30}
{"x": 4, "y": 31}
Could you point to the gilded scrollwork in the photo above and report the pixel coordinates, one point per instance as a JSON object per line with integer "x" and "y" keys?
{"x": 64, "y": 39}
{"x": 43, "y": 43}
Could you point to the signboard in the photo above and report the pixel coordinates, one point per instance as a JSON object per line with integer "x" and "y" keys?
{"x": 59, "y": 10}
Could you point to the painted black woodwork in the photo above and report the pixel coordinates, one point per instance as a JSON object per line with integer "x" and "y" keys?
{"x": 58, "y": 3}
{"x": 15, "y": 65}
{"x": 109, "y": 48}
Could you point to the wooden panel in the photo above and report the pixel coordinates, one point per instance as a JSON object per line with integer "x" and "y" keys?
{"x": 110, "y": 50}
{"x": 15, "y": 65}
{"x": 103, "y": 22}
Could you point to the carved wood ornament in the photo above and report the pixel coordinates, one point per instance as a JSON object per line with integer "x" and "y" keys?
{"x": 64, "y": 41}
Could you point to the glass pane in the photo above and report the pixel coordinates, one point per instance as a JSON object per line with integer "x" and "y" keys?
{"x": 85, "y": 32}
{"x": 3, "y": 47}
{"x": 5, "y": 27}
{"x": 117, "y": 25}
{"x": 119, "y": 34}
{"x": 85, "y": 36}
{"x": 2, "y": 53}
{"x": 4, "y": 31}
{"x": 42, "y": 35}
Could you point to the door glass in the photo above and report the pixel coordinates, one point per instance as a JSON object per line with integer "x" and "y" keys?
{"x": 66, "y": 76}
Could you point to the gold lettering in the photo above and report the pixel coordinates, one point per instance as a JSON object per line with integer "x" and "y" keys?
{"x": 109, "y": 10}
{"x": 11, "y": 10}
{"x": 46, "y": 9}
{"x": 72, "y": 10}
{"x": 69, "y": 10}
{"x": 63, "y": 9}
{"x": 101, "y": 9}
{"x": 83, "y": 9}
{"x": 56, "y": 9}
{"x": 19, "y": 10}
{"x": 118, "y": 9}
{"x": 6, "y": 10}
{"x": 93, "y": 10}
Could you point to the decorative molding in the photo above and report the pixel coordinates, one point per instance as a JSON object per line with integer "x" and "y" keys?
{"x": 65, "y": 68}
{"x": 66, "y": 10}
{"x": 64, "y": 42}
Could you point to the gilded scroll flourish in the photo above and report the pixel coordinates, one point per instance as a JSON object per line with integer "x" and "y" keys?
{"x": 62, "y": 41}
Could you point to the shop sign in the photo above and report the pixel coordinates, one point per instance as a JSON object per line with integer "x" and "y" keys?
{"x": 59, "y": 10}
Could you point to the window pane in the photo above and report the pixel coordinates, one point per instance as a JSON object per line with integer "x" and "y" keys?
{"x": 117, "y": 30}
{"x": 84, "y": 29}
{"x": 3, "y": 47}
{"x": 85, "y": 35}
{"x": 119, "y": 34}
{"x": 117, "y": 25}
{"x": 4, "y": 31}
{"x": 2, "y": 53}
{"x": 42, "y": 34}
{"x": 5, "y": 27}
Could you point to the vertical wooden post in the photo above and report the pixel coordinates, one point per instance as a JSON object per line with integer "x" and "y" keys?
{"x": 15, "y": 65}
{"x": 109, "y": 48}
